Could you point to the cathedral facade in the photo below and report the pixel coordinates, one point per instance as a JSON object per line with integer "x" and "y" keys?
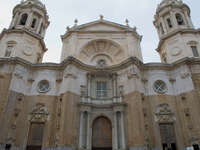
{"x": 101, "y": 96}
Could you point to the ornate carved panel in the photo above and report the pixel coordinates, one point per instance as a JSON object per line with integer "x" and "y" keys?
{"x": 39, "y": 113}
{"x": 164, "y": 113}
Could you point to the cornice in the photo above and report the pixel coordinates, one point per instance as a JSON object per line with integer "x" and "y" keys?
{"x": 7, "y": 31}
{"x": 177, "y": 31}
{"x": 77, "y": 29}
{"x": 73, "y": 61}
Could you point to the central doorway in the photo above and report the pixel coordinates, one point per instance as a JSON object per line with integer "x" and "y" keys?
{"x": 102, "y": 134}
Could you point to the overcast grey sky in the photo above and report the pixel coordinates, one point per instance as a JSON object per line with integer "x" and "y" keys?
{"x": 62, "y": 13}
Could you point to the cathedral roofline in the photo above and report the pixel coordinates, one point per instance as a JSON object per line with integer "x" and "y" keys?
{"x": 77, "y": 28}
{"x": 181, "y": 31}
{"x": 26, "y": 31}
{"x": 79, "y": 64}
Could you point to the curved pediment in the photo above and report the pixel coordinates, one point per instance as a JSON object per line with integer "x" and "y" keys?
{"x": 101, "y": 50}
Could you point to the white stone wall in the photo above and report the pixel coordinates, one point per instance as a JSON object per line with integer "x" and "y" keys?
{"x": 26, "y": 47}
{"x": 178, "y": 46}
{"x": 131, "y": 78}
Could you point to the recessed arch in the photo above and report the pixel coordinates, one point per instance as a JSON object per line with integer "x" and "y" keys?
{"x": 109, "y": 49}
{"x": 23, "y": 19}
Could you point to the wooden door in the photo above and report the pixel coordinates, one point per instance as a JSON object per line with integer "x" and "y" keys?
{"x": 102, "y": 134}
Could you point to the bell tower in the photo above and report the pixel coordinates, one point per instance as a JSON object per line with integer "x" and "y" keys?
{"x": 25, "y": 36}
{"x": 177, "y": 35}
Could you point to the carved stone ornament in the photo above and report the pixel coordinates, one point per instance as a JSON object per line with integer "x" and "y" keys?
{"x": 164, "y": 113}
{"x": 39, "y": 113}
{"x": 70, "y": 73}
{"x": 194, "y": 140}
{"x": 19, "y": 72}
{"x": 132, "y": 73}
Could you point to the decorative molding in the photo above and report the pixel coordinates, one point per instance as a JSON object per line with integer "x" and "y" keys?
{"x": 59, "y": 76}
{"x": 164, "y": 113}
{"x": 172, "y": 80}
{"x": 185, "y": 75}
{"x": 39, "y": 113}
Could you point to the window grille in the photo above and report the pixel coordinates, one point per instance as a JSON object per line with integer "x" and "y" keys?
{"x": 101, "y": 89}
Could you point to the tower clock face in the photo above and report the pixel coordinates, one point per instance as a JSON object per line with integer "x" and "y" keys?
{"x": 27, "y": 51}
{"x": 175, "y": 51}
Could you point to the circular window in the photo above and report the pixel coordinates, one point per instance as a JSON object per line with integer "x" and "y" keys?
{"x": 160, "y": 87}
{"x": 43, "y": 86}
{"x": 101, "y": 63}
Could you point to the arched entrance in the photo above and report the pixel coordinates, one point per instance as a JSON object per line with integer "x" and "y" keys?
{"x": 102, "y": 134}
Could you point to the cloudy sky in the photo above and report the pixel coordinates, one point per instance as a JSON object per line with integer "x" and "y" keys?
{"x": 62, "y": 13}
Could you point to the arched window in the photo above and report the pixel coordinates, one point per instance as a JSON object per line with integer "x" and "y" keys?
{"x": 179, "y": 19}
{"x": 23, "y": 19}
{"x": 169, "y": 23}
{"x": 41, "y": 27}
{"x": 33, "y": 23}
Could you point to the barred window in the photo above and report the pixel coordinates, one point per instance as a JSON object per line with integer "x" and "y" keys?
{"x": 101, "y": 89}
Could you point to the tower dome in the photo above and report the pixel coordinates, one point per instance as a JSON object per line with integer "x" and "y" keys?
{"x": 166, "y": 3}
{"x": 33, "y": 2}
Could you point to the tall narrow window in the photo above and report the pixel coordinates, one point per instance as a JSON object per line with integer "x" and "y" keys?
{"x": 168, "y": 136}
{"x": 161, "y": 28}
{"x": 23, "y": 19}
{"x": 169, "y": 23}
{"x": 195, "y": 51}
{"x": 196, "y": 147}
{"x": 35, "y": 136}
{"x": 101, "y": 89}
{"x": 33, "y": 23}
{"x": 41, "y": 27}
{"x": 179, "y": 19}
{"x": 9, "y": 50}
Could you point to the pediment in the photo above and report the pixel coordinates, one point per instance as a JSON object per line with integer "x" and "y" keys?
{"x": 102, "y": 26}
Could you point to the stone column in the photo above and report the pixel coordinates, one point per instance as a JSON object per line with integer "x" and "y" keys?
{"x": 81, "y": 130}
{"x": 164, "y": 25}
{"x": 89, "y": 87}
{"x": 123, "y": 131}
{"x": 115, "y": 146}
{"x": 188, "y": 19}
{"x": 88, "y": 131}
{"x": 39, "y": 24}
{"x": 29, "y": 19}
{"x": 174, "y": 21}
{"x": 114, "y": 79}
{"x": 14, "y": 20}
